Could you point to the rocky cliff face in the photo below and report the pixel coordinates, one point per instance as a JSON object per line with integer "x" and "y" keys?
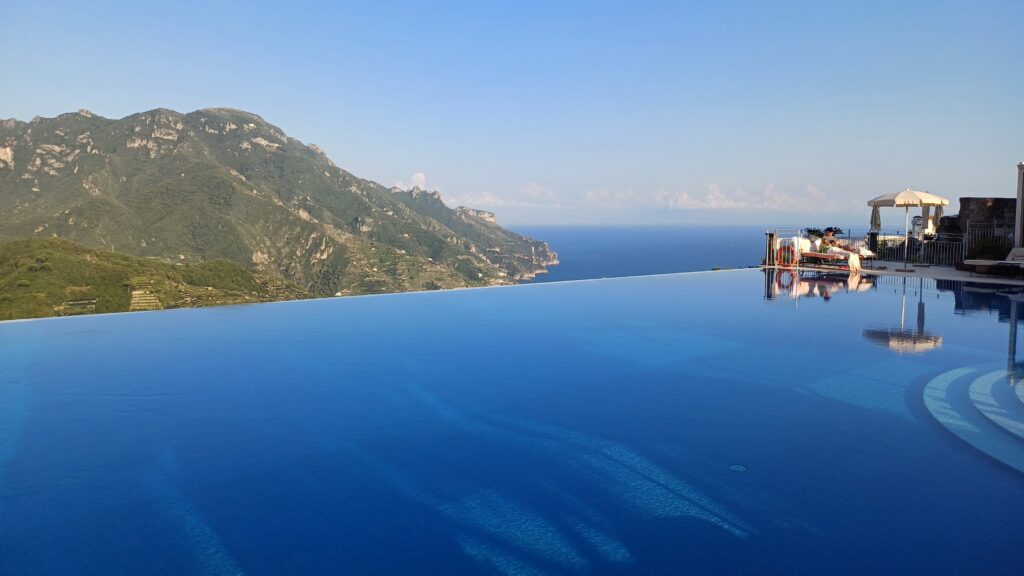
{"x": 488, "y": 217}
{"x": 225, "y": 184}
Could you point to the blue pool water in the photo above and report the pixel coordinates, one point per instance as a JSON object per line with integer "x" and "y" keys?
{"x": 617, "y": 251}
{"x": 715, "y": 423}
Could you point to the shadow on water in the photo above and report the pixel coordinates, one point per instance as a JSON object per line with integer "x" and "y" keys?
{"x": 583, "y": 474}
{"x": 206, "y": 551}
{"x": 15, "y": 403}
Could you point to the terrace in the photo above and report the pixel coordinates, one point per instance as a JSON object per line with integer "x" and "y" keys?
{"x": 926, "y": 249}
{"x": 974, "y": 243}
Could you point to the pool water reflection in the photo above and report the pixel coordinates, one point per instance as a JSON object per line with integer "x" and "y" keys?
{"x": 724, "y": 423}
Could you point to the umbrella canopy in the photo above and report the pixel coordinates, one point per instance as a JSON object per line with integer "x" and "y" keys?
{"x": 904, "y": 340}
{"x": 907, "y": 198}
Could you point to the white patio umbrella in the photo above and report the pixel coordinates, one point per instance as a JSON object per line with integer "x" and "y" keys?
{"x": 906, "y": 200}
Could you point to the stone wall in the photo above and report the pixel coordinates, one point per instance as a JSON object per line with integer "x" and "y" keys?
{"x": 980, "y": 213}
{"x": 986, "y": 211}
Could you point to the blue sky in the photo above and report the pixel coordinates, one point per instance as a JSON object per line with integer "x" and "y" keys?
{"x": 573, "y": 112}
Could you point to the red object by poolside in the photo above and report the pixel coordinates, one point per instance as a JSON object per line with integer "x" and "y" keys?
{"x": 785, "y": 256}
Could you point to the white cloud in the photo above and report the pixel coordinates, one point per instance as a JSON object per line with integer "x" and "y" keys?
{"x": 769, "y": 199}
{"x": 809, "y": 199}
{"x": 530, "y": 195}
{"x": 601, "y": 198}
{"x": 418, "y": 179}
{"x": 536, "y": 192}
{"x": 477, "y": 200}
{"x": 533, "y": 196}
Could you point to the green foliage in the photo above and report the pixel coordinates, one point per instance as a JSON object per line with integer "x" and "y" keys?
{"x": 819, "y": 232}
{"x": 989, "y": 249}
{"x": 222, "y": 184}
{"x": 49, "y": 277}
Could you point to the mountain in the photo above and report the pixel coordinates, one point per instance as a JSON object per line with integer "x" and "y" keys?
{"x": 54, "y": 277}
{"x": 222, "y": 184}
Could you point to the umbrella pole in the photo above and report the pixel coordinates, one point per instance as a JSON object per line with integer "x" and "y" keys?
{"x": 1011, "y": 356}
{"x": 906, "y": 236}
{"x": 903, "y": 304}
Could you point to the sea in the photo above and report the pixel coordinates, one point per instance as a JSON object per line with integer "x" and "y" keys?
{"x": 587, "y": 252}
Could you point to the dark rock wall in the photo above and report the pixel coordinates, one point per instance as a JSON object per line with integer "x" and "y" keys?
{"x": 988, "y": 211}
{"x": 980, "y": 213}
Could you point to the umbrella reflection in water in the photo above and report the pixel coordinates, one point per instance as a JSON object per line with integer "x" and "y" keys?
{"x": 903, "y": 340}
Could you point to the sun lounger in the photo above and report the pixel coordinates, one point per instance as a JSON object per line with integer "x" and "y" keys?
{"x": 822, "y": 258}
{"x": 984, "y": 262}
{"x": 842, "y": 259}
{"x": 806, "y": 252}
{"x": 1014, "y": 258}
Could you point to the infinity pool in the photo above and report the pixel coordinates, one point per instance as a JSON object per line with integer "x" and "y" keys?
{"x": 713, "y": 423}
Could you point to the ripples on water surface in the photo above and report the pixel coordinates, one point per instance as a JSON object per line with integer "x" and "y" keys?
{"x": 726, "y": 423}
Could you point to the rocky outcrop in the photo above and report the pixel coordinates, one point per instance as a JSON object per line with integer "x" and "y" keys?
{"x": 225, "y": 184}
{"x": 6, "y": 157}
{"x": 481, "y": 214}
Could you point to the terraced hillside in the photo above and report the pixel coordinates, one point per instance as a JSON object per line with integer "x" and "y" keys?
{"x": 224, "y": 184}
{"x": 54, "y": 277}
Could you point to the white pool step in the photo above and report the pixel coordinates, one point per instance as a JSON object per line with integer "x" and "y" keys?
{"x": 996, "y": 400}
{"x": 948, "y": 399}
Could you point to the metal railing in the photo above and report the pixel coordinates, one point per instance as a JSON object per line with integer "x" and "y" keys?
{"x": 932, "y": 253}
{"x": 992, "y": 239}
{"x": 943, "y": 250}
{"x": 862, "y": 239}
{"x": 946, "y": 250}
{"x": 911, "y": 284}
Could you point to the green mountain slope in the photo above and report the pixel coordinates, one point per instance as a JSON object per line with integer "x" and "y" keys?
{"x": 54, "y": 277}
{"x": 225, "y": 184}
